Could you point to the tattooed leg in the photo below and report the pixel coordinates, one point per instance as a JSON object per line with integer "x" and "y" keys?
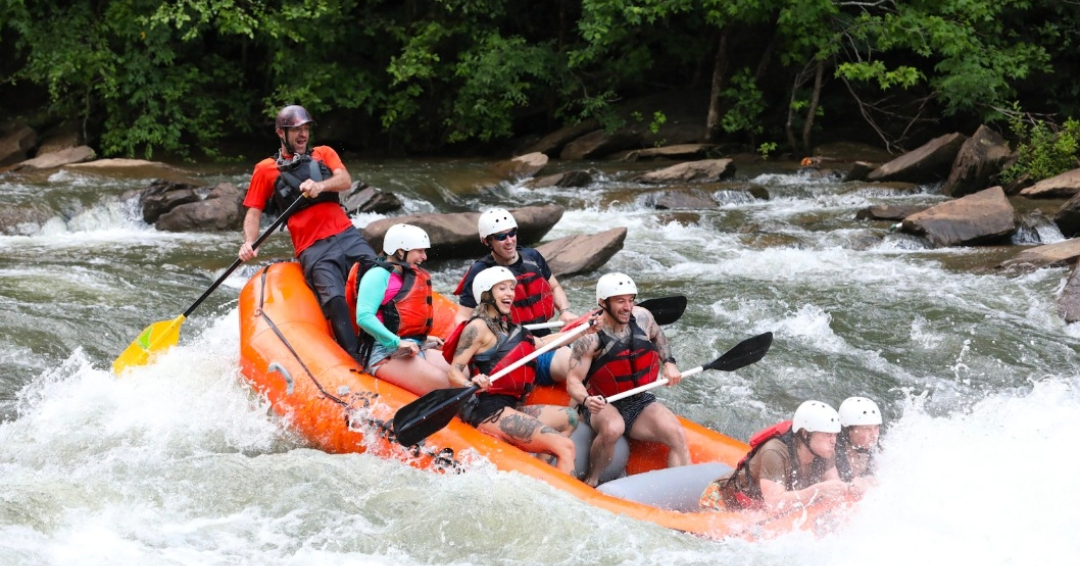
{"x": 530, "y": 434}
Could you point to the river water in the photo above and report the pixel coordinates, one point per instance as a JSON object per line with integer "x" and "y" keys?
{"x": 179, "y": 463}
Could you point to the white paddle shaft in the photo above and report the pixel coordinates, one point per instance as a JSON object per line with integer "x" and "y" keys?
{"x": 565, "y": 338}
{"x": 545, "y": 325}
{"x": 653, "y": 385}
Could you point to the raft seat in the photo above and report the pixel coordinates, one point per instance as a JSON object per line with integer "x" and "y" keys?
{"x": 583, "y": 436}
{"x": 676, "y": 489}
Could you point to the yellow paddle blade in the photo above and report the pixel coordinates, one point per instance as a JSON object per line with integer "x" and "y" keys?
{"x": 156, "y": 338}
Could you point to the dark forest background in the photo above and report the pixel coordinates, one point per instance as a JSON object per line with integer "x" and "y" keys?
{"x": 194, "y": 78}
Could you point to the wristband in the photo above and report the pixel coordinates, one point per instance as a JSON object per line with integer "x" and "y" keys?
{"x": 669, "y": 360}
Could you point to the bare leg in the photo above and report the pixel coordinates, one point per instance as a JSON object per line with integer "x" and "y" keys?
{"x": 435, "y": 358}
{"x": 658, "y": 424}
{"x": 560, "y": 364}
{"x": 609, "y": 426}
{"x": 562, "y": 419}
{"x": 529, "y": 434}
{"x": 414, "y": 374}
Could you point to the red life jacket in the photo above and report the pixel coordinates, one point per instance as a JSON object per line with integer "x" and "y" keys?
{"x": 450, "y": 344}
{"x": 409, "y": 313}
{"x": 623, "y": 366}
{"x": 752, "y": 498}
{"x": 352, "y": 289}
{"x": 534, "y": 300}
{"x": 510, "y": 348}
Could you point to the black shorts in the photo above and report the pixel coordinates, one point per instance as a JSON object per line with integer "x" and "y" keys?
{"x": 484, "y": 407}
{"x": 327, "y": 262}
{"x": 630, "y": 409}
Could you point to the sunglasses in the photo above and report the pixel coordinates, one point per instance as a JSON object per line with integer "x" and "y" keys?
{"x": 501, "y": 237}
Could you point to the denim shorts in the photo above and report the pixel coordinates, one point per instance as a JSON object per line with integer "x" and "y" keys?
{"x": 543, "y": 368}
{"x": 380, "y": 353}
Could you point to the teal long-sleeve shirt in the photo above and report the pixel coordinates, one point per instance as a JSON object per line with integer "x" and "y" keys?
{"x": 368, "y": 300}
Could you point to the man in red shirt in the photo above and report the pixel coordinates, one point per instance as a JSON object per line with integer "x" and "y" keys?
{"x": 325, "y": 240}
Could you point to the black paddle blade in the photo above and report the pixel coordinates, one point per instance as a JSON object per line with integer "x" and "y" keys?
{"x": 743, "y": 354}
{"x": 665, "y": 310}
{"x": 429, "y": 414}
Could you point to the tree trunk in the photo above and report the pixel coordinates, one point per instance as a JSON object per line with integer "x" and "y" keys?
{"x": 788, "y": 127}
{"x": 719, "y": 83}
{"x": 811, "y": 111}
{"x": 766, "y": 58}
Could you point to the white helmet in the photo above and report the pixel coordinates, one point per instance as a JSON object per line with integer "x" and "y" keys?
{"x": 857, "y": 411}
{"x": 815, "y": 416}
{"x": 405, "y": 237}
{"x": 488, "y": 278}
{"x": 494, "y": 221}
{"x": 614, "y": 284}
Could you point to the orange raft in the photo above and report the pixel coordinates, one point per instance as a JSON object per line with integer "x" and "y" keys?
{"x": 287, "y": 353}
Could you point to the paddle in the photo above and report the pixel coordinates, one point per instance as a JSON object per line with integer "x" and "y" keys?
{"x": 743, "y": 354}
{"x": 430, "y": 413}
{"x": 164, "y": 334}
{"x": 665, "y": 310}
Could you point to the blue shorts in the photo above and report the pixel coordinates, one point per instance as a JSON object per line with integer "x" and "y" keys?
{"x": 543, "y": 368}
{"x": 327, "y": 262}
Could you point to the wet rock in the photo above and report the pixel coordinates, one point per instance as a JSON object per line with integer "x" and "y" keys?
{"x": 1065, "y": 185}
{"x": 891, "y": 212}
{"x": 365, "y": 198}
{"x": 23, "y": 221}
{"x": 859, "y": 171}
{"x": 1050, "y": 255}
{"x": 521, "y": 166}
{"x": 1069, "y": 301}
{"x": 984, "y": 217}
{"x": 162, "y": 196}
{"x": 16, "y": 143}
{"x": 554, "y": 142}
{"x": 599, "y": 143}
{"x": 759, "y": 192}
{"x": 681, "y": 151}
{"x": 927, "y": 164}
{"x": 221, "y": 210}
{"x": 704, "y": 171}
{"x": 65, "y": 136}
{"x": 58, "y": 158}
{"x": 454, "y": 235}
{"x": 680, "y": 200}
{"x": 582, "y": 253}
{"x": 576, "y": 178}
{"x": 980, "y": 159}
{"x": 133, "y": 169}
{"x": 1067, "y": 217}
{"x": 844, "y": 151}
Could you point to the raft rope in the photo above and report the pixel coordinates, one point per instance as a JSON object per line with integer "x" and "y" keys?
{"x": 443, "y": 459}
{"x": 281, "y": 337}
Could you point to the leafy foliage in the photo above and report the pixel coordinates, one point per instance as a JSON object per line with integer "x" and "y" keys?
{"x": 148, "y": 76}
{"x": 1044, "y": 150}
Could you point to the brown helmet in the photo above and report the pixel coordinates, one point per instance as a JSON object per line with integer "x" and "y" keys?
{"x": 293, "y": 116}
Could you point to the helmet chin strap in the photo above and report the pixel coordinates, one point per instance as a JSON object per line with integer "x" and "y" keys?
{"x": 805, "y": 439}
{"x": 488, "y": 298}
{"x": 604, "y": 307}
{"x": 285, "y": 142}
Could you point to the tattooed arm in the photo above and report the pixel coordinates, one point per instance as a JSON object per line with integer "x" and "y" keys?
{"x": 475, "y": 337}
{"x": 581, "y": 357}
{"x": 656, "y": 335}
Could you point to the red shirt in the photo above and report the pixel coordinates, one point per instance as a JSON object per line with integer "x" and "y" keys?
{"x": 312, "y": 223}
